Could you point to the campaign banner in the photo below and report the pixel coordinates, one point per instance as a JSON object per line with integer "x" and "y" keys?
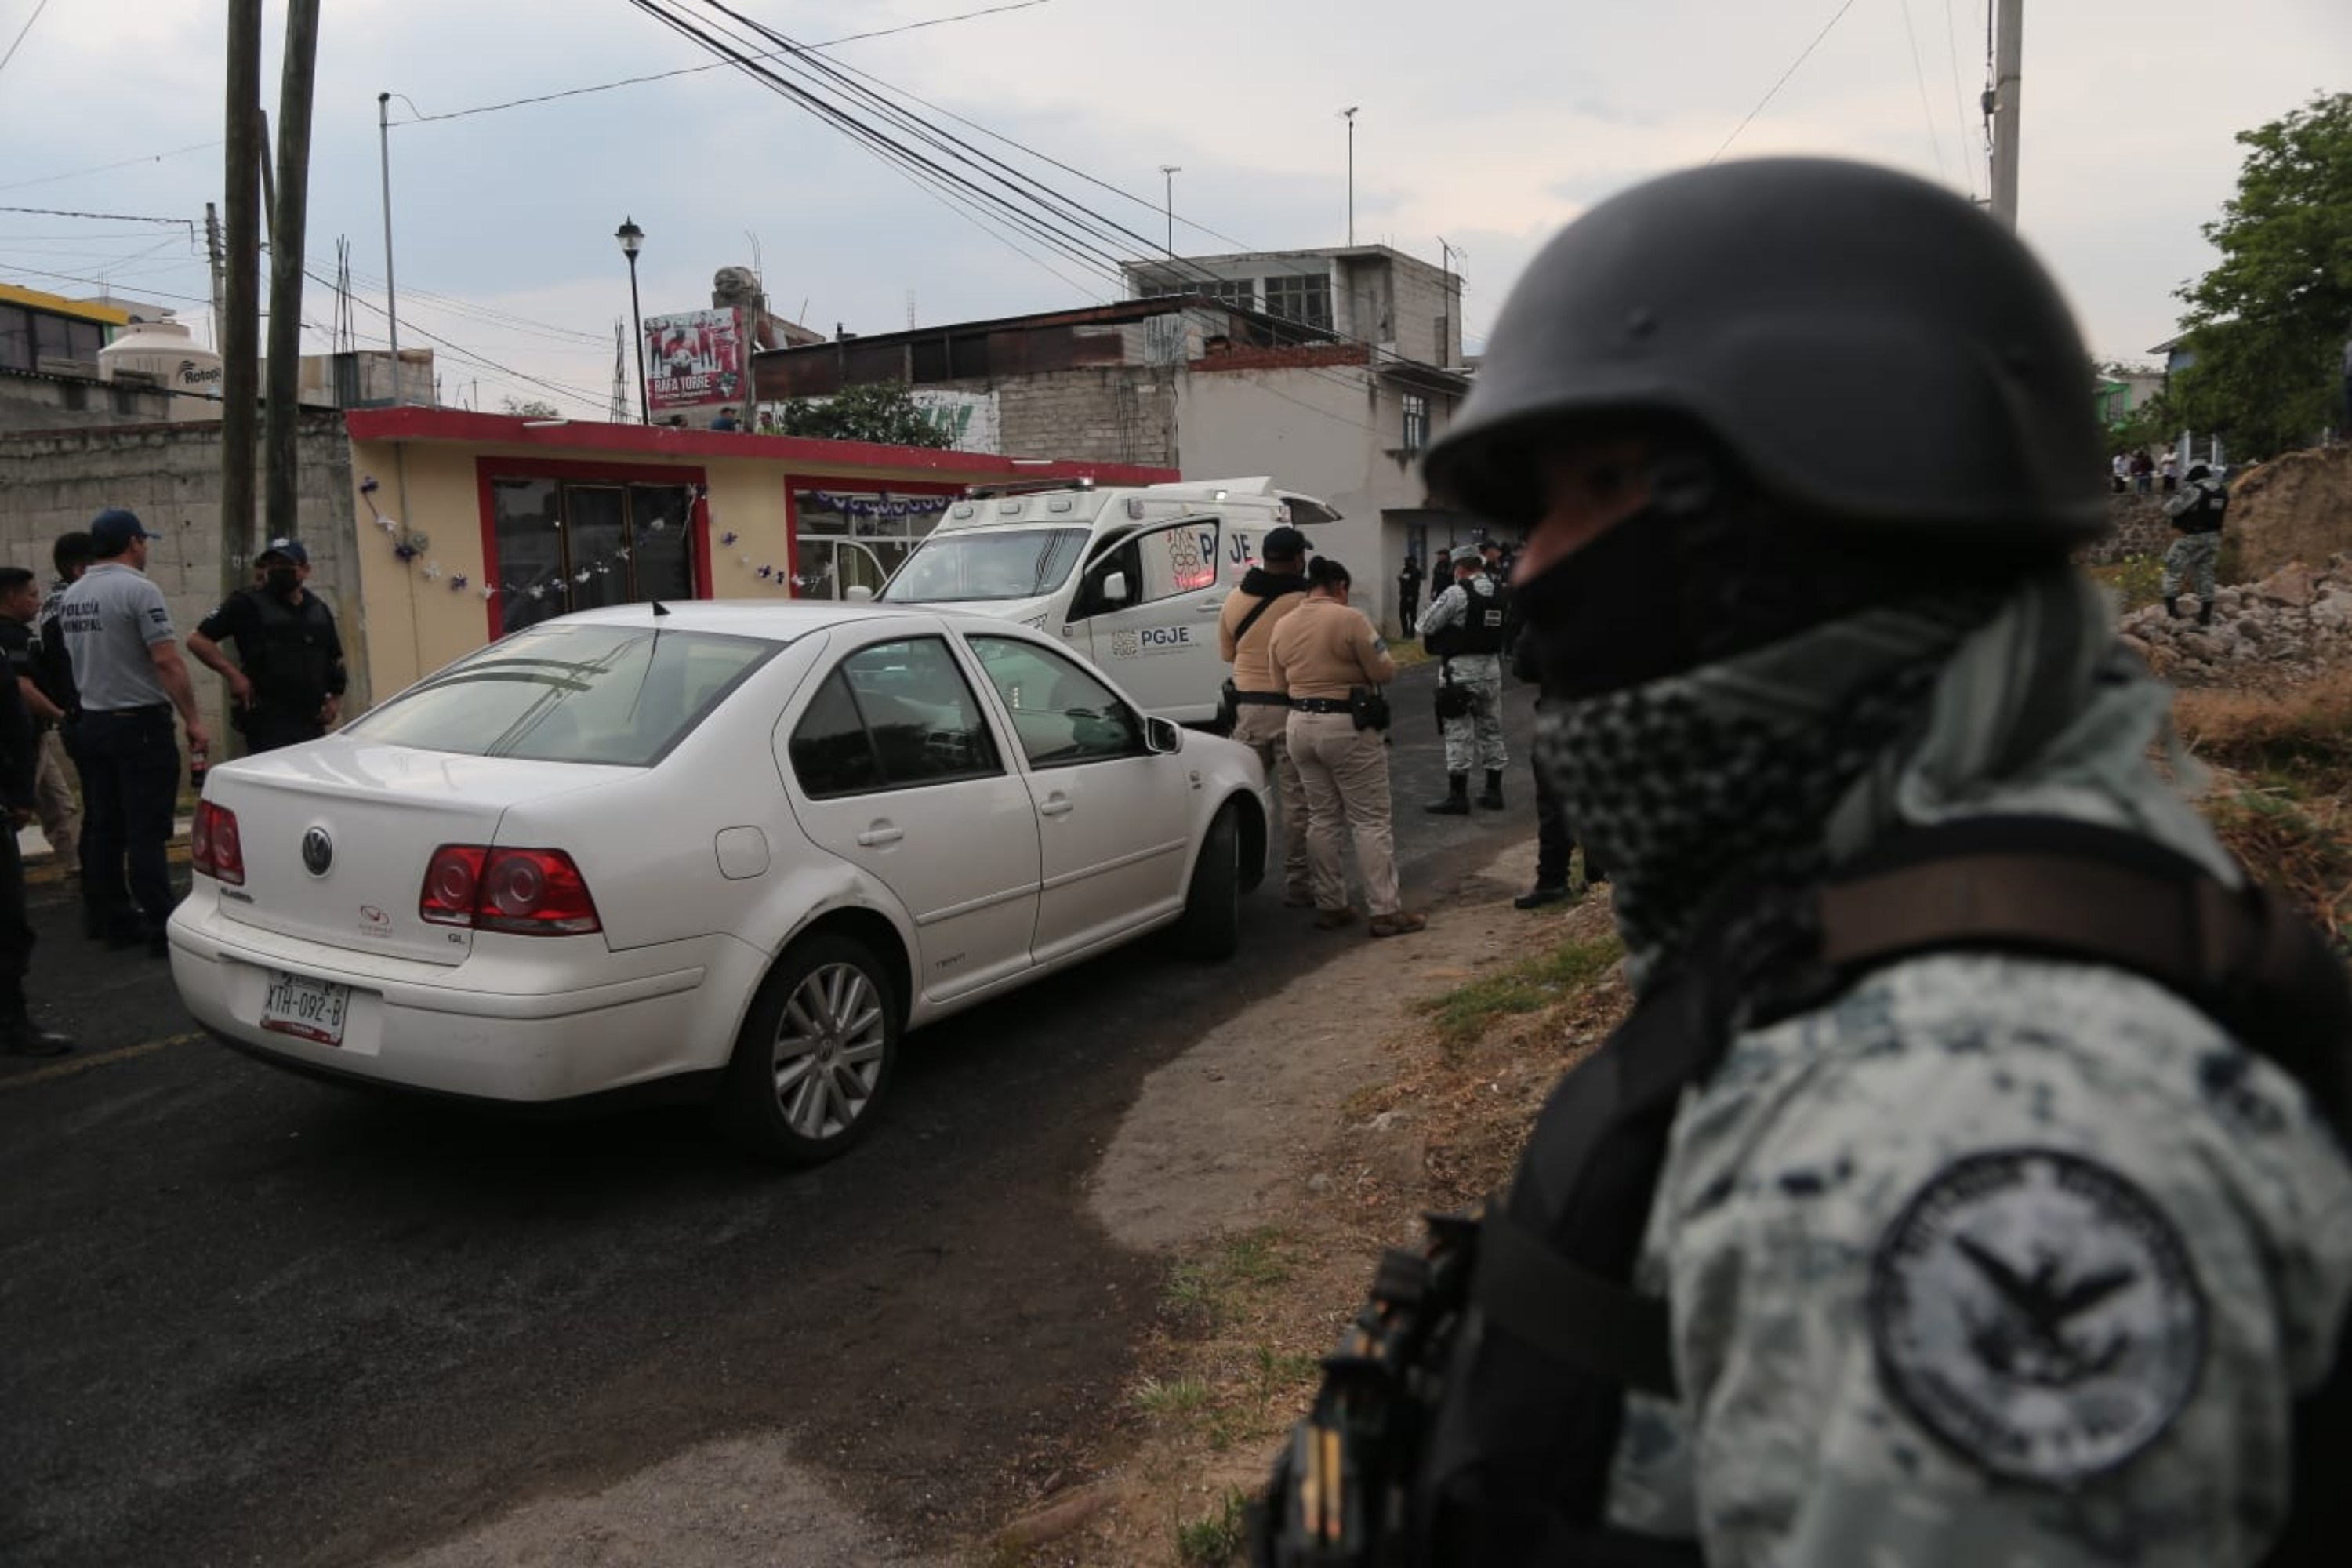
{"x": 694, "y": 359}
{"x": 969, "y": 418}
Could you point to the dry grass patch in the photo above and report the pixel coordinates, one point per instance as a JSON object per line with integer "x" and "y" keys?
{"x": 2282, "y": 793}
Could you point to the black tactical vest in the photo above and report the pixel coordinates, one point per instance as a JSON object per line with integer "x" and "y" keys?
{"x": 1482, "y": 624}
{"x": 293, "y": 659}
{"x": 1495, "y": 1422}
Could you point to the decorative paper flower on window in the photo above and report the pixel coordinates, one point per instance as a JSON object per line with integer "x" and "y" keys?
{"x": 729, "y": 537}
{"x": 457, "y": 584}
{"x": 603, "y": 570}
{"x": 555, "y": 522}
{"x": 405, "y": 551}
{"x": 582, "y": 575}
{"x": 766, "y": 573}
{"x": 432, "y": 571}
{"x": 622, "y": 553}
{"x": 488, "y": 594}
{"x": 536, "y": 590}
{"x": 659, "y": 523}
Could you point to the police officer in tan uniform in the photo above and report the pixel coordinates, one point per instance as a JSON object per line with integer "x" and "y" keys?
{"x": 1329, "y": 659}
{"x": 1261, "y": 706}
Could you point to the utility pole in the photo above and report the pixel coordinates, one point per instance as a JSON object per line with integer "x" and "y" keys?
{"x": 391, "y": 296}
{"x": 1169, "y": 172}
{"x": 2007, "y": 94}
{"x": 282, "y": 417}
{"x": 240, "y": 328}
{"x": 212, "y": 255}
{"x": 1349, "y": 114}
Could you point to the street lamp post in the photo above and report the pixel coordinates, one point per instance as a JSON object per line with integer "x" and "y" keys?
{"x": 633, "y": 239}
{"x": 1349, "y": 114}
{"x": 1169, "y": 172}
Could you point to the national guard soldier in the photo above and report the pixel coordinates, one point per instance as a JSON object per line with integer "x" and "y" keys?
{"x": 290, "y": 685}
{"x": 2196, "y": 513}
{"x": 1968, "y": 1185}
{"x": 1465, "y": 627}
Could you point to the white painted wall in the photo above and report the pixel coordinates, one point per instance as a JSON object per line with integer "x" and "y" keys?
{"x": 1329, "y": 432}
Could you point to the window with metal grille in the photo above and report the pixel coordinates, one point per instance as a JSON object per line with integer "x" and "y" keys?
{"x": 1416, "y": 422}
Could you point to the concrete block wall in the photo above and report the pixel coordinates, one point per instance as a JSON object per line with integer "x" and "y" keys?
{"x": 55, "y": 482}
{"x": 1419, "y": 300}
{"x": 1115, "y": 414}
{"x": 29, "y": 402}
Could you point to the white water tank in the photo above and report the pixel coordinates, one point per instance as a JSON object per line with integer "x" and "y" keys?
{"x": 165, "y": 351}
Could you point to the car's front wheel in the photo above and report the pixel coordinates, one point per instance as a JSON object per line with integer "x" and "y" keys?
{"x": 1212, "y": 923}
{"x": 813, "y": 1060}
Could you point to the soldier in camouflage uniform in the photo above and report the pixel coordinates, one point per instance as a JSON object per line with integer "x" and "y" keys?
{"x": 1465, "y": 627}
{"x": 2197, "y": 513}
{"x": 1991, "y": 1257}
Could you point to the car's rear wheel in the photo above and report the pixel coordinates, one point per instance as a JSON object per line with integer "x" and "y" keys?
{"x": 1212, "y": 924}
{"x": 813, "y": 1060}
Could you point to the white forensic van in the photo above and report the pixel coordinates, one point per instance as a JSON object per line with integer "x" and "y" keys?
{"x": 1132, "y": 576}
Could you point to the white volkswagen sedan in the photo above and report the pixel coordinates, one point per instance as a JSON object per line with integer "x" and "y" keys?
{"x": 727, "y": 849}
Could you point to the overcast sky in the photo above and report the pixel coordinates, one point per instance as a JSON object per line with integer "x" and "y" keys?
{"x": 1488, "y": 121}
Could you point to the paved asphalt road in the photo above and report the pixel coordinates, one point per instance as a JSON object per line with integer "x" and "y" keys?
{"x": 247, "y": 1318}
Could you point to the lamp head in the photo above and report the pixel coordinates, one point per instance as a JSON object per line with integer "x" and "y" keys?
{"x": 631, "y": 237}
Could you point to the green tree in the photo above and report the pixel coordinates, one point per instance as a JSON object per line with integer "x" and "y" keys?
{"x": 531, "y": 408}
{"x": 872, "y": 411}
{"x": 2267, "y": 322}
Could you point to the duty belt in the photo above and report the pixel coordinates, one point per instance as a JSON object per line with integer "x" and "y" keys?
{"x": 1263, "y": 699}
{"x": 1320, "y": 705}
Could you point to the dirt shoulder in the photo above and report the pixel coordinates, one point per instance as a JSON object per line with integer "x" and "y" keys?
{"x": 1270, "y": 1164}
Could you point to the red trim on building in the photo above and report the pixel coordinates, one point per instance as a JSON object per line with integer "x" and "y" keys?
{"x": 458, "y": 425}
{"x": 488, "y": 470}
{"x": 1298, "y": 358}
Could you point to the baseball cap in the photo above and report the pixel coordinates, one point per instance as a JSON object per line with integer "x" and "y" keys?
{"x": 1468, "y": 555}
{"x": 1284, "y": 544}
{"x": 111, "y": 531}
{"x": 290, "y": 549}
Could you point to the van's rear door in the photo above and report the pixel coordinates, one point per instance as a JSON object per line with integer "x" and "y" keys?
{"x": 1159, "y": 641}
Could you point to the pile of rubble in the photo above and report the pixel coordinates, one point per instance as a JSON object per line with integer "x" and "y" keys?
{"x": 2287, "y": 625}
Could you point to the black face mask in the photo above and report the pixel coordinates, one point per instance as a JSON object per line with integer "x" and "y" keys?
{"x": 281, "y": 582}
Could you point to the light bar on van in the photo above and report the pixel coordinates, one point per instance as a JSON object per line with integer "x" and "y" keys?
{"x": 1058, "y": 503}
{"x": 1008, "y": 509}
{"x": 962, "y": 509}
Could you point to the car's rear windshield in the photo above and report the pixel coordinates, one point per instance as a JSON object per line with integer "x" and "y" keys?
{"x": 963, "y": 567}
{"x": 571, "y": 693}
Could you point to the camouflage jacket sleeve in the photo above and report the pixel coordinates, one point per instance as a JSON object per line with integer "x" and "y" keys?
{"x": 1994, "y": 1260}
{"x": 1448, "y": 608}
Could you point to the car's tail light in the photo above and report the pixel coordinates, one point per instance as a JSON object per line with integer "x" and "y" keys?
{"x": 215, "y": 849}
{"x": 533, "y": 892}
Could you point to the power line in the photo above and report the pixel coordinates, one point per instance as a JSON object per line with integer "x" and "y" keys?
{"x": 105, "y": 168}
{"x": 1959, "y": 115}
{"x": 715, "y": 65}
{"x": 21, "y": 32}
{"x": 1774, "y": 91}
{"x": 187, "y": 223}
{"x": 1919, "y": 74}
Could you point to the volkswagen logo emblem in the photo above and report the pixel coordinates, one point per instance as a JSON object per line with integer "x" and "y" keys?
{"x": 317, "y": 851}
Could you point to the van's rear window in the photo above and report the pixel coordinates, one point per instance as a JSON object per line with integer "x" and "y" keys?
{"x": 571, "y": 693}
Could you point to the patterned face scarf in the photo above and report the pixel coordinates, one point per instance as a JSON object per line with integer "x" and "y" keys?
{"x": 1735, "y": 767}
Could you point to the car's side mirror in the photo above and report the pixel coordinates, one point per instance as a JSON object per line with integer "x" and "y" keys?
{"x": 859, "y": 593}
{"x": 1161, "y": 736}
{"x": 1114, "y": 588}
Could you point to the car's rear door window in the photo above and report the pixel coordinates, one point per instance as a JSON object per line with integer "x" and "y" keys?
{"x": 892, "y": 715}
{"x": 571, "y": 692}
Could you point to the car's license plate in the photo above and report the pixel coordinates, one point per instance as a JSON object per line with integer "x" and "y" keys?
{"x": 307, "y": 1008}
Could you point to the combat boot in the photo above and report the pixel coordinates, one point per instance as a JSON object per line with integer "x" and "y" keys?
{"x": 1492, "y": 799}
{"x": 2172, "y": 605}
{"x": 2204, "y": 611}
{"x": 1457, "y": 798}
{"x": 19, "y": 1036}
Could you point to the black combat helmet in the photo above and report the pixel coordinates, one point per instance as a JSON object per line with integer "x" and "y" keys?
{"x": 1871, "y": 350}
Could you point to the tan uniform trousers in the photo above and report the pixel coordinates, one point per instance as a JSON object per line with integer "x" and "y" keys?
{"x": 1262, "y": 727}
{"x": 1346, "y": 773}
{"x": 55, "y": 801}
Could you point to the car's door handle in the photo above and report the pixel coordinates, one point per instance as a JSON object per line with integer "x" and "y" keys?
{"x": 1207, "y": 609}
{"x": 881, "y": 833}
{"x": 1056, "y": 805}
